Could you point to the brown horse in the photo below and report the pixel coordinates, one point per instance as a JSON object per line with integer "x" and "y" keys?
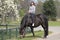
{"x": 40, "y": 19}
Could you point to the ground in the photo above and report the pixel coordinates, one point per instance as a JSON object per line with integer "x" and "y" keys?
{"x": 54, "y": 36}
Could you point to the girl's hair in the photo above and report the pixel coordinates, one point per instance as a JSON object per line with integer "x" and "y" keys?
{"x": 31, "y": 3}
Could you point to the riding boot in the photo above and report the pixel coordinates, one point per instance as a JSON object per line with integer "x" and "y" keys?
{"x": 33, "y": 24}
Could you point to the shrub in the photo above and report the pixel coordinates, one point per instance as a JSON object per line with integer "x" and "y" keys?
{"x": 21, "y": 12}
{"x": 49, "y": 9}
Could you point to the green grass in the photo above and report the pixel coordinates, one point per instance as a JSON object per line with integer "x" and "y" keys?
{"x": 54, "y": 23}
{"x": 38, "y": 34}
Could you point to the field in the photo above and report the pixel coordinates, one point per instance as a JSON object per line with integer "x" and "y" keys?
{"x": 38, "y": 34}
{"x": 54, "y": 23}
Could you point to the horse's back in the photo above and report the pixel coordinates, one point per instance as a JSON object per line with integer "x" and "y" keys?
{"x": 42, "y": 16}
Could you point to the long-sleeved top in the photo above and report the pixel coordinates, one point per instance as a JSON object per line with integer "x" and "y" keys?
{"x": 32, "y": 9}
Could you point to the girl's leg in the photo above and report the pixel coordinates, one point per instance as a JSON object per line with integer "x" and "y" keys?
{"x": 33, "y": 18}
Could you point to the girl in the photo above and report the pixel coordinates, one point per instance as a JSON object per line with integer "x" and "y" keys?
{"x": 32, "y": 9}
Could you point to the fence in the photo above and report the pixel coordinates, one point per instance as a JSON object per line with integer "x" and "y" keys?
{"x": 8, "y": 33}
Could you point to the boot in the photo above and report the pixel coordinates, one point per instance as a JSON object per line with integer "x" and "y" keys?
{"x": 33, "y": 24}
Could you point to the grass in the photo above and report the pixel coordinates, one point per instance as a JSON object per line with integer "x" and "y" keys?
{"x": 54, "y": 23}
{"x": 38, "y": 34}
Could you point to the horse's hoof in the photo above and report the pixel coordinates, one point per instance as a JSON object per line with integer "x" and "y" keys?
{"x": 21, "y": 36}
{"x": 44, "y": 37}
{"x": 47, "y": 37}
{"x": 33, "y": 35}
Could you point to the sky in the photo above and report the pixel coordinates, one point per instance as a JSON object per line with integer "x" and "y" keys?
{"x": 42, "y": 0}
{"x": 36, "y": 1}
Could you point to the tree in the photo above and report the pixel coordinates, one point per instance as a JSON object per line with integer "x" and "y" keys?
{"x": 9, "y": 9}
{"x": 49, "y": 9}
{"x": 39, "y": 7}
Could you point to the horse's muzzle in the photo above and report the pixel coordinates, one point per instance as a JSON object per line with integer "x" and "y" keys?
{"x": 22, "y": 36}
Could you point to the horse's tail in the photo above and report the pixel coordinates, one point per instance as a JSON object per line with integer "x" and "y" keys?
{"x": 45, "y": 21}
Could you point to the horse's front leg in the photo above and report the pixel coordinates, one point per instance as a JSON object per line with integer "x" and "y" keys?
{"x": 24, "y": 33}
{"x": 32, "y": 30}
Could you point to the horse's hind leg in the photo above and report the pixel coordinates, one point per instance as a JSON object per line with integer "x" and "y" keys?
{"x": 45, "y": 31}
{"x": 32, "y": 31}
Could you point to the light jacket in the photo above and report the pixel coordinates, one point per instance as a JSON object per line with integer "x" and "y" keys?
{"x": 32, "y": 9}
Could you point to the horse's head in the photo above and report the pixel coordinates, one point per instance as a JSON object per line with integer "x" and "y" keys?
{"x": 22, "y": 32}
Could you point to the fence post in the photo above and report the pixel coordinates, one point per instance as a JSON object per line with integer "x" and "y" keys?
{"x": 9, "y": 33}
{"x": 16, "y": 32}
{"x": 6, "y": 29}
{"x": 2, "y": 35}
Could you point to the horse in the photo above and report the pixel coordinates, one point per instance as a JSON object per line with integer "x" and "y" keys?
{"x": 40, "y": 19}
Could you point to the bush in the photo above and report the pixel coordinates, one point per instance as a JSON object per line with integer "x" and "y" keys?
{"x": 21, "y": 12}
{"x": 53, "y": 19}
{"x": 49, "y": 9}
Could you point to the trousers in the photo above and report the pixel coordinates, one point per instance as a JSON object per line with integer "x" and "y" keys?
{"x": 32, "y": 17}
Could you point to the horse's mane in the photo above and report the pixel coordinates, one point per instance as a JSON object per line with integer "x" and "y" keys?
{"x": 25, "y": 17}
